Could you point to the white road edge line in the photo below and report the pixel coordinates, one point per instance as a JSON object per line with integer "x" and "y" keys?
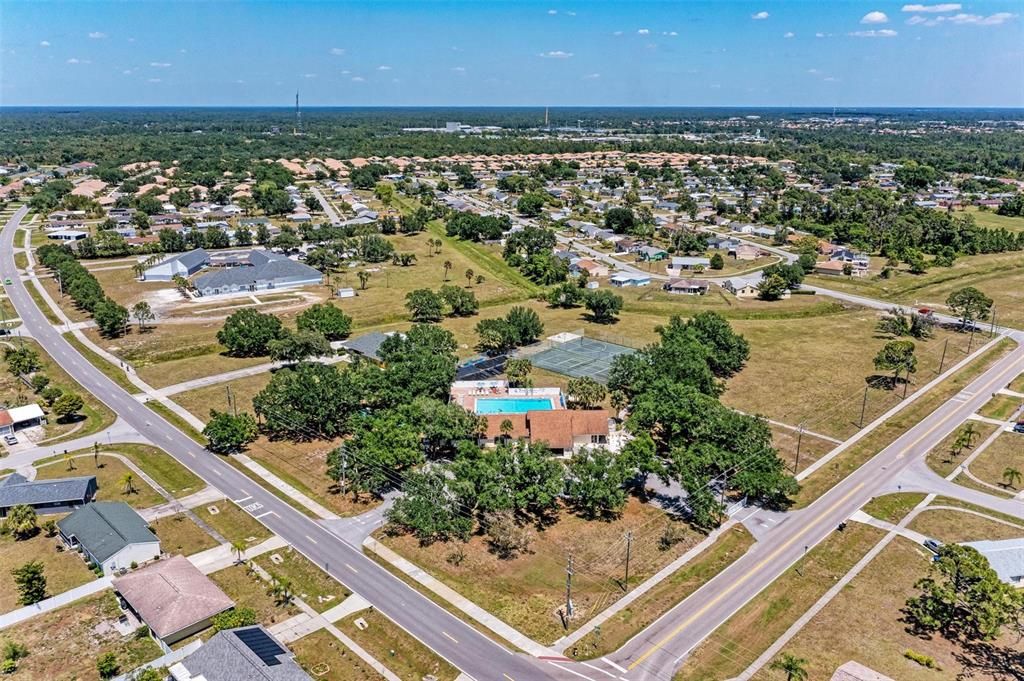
{"x": 566, "y": 669}
{"x": 597, "y": 669}
{"x": 238, "y": 501}
{"x": 612, "y": 664}
{"x": 263, "y": 514}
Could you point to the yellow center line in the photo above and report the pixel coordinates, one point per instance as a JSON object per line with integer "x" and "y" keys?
{"x": 747, "y": 575}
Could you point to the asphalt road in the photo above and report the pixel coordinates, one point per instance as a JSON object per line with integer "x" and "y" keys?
{"x": 457, "y": 642}
{"x": 332, "y": 214}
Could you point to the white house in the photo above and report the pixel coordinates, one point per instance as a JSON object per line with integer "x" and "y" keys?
{"x": 182, "y": 264}
{"x": 110, "y": 534}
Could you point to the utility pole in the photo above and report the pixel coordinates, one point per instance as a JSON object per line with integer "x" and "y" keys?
{"x": 970, "y": 343}
{"x": 942, "y": 362}
{"x": 231, "y": 401}
{"x": 863, "y": 407}
{"x": 992, "y": 331}
{"x": 906, "y": 384}
{"x": 629, "y": 546}
{"x": 568, "y": 592}
{"x": 799, "y": 439}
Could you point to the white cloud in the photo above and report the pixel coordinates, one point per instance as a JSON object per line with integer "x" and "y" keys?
{"x": 337, "y": 51}
{"x": 309, "y": 75}
{"x": 789, "y": 34}
{"x": 819, "y": 34}
{"x": 358, "y": 79}
{"x": 239, "y": 82}
{"x": 383, "y": 67}
{"x": 875, "y": 17}
{"x": 644, "y": 31}
{"x": 939, "y": 8}
{"x": 813, "y": 72}
{"x": 160, "y": 64}
{"x": 617, "y": 33}
{"x": 760, "y": 15}
{"x": 917, "y": 19}
{"x": 978, "y": 20}
{"x": 459, "y": 69}
{"x": 555, "y": 54}
{"x": 592, "y": 76}
{"x": 830, "y": 79}
{"x": 126, "y": 72}
{"x": 570, "y": 14}
{"x": 875, "y": 33}
{"x": 552, "y": 12}
{"x": 97, "y": 35}
{"x": 76, "y": 60}
{"x": 345, "y": 72}
{"x": 44, "y": 43}
{"x": 153, "y": 80}
{"x": 671, "y": 34}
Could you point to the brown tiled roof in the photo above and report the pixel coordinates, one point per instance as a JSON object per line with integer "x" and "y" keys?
{"x": 559, "y": 426}
{"x": 518, "y": 425}
{"x": 171, "y": 595}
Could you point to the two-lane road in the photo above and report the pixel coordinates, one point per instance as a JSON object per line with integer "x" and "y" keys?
{"x": 459, "y": 643}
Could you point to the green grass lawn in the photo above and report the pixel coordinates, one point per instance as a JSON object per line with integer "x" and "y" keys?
{"x": 614, "y": 632}
{"x": 526, "y": 591}
{"x": 943, "y": 459}
{"x": 993, "y": 220}
{"x": 177, "y": 480}
{"x": 1001, "y": 407}
{"x": 179, "y": 534}
{"x": 738, "y": 642}
{"x": 201, "y": 400}
{"x": 892, "y": 508}
{"x": 314, "y": 586}
{"x": 864, "y": 623}
{"x": 249, "y": 591}
{"x": 63, "y": 569}
{"x": 1007, "y": 451}
{"x": 109, "y": 477}
{"x": 409, "y": 659}
{"x": 326, "y": 658}
{"x": 233, "y": 523}
{"x": 950, "y": 526}
{"x": 1017, "y": 384}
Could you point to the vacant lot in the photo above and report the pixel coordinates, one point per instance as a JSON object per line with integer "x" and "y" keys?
{"x": 738, "y": 642}
{"x": 614, "y": 632}
{"x": 309, "y": 582}
{"x": 863, "y": 623}
{"x": 943, "y": 458}
{"x": 176, "y": 480}
{"x": 179, "y": 534}
{"x": 1017, "y": 385}
{"x": 993, "y": 220}
{"x": 233, "y": 523}
{"x": 63, "y": 644}
{"x": 94, "y": 415}
{"x": 1006, "y": 452}
{"x": 397, "y": 650}
{"x": 63, "y": 569}
{"x": 1001, "y": 407}
{"x": 325, "y": 657}
{"x": 201, "y": 400}
{"x": 528, "y": 592}
{"x": 893, "y": 508}
{"x": 950, "y": 526}
{"x": 811, "y": 448}
{"x": 110, "y": 477}
{"x": 249, "y": 591}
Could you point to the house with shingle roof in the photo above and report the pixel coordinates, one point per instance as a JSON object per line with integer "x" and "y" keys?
{"x": 264, "y": 270}
{"x": 46, "y": 496}
{"x": 241, "y": 654}
{"x": 173, "y": 598}
{"x": 110, "y": 534}
{"x": 562, "y": 430}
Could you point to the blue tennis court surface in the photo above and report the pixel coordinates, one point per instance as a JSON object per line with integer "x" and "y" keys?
{"x": 581, "y": 357}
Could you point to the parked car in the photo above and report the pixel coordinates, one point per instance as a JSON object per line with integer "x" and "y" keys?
{"x": 10, "y": 439}
{"x": 933, "y": 545}
{"x": 1019, "y": 428}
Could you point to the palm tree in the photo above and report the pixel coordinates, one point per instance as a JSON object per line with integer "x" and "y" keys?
{"x": 506, "y": 427}
{"x": 238, "y": 546}
{"x": 447, "y": 267}
{"x": 794, "y": 667}
{"x": 127, "y": 483}
{"x": 469, "y": 277}
{"x": 363, "y": 278}
{"x": 1011, "y": 476}
{"x": 281, "y": 589}
{"x": 970, "y": 431}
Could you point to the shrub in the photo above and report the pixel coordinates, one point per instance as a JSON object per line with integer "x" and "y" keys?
{"x": 921, "y": 659}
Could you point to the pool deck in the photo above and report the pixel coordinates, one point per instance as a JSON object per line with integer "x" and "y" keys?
{"x": 470, "y": 394}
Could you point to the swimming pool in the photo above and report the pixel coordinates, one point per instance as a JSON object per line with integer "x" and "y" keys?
{"x": 512, "y": 405}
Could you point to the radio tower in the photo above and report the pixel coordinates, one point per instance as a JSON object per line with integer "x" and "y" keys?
{"x": 298, "y": 116}
{"x": 547, "y": 124}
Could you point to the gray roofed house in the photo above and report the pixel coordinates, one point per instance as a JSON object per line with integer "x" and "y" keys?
{"x": 46, "y": 496}
{"x": 367, "y": 345}
{"x": 241, "y": 654}
{"x": 182, "y": 264}
{"x": 265, "y": 271}
{"x": 110, "y": 534}
{"x": 1005, "y": 556}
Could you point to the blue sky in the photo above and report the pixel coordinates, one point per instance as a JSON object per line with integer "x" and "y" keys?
{"x": 514, "y": 52}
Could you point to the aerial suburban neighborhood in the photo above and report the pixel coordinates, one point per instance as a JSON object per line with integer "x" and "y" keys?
{"x": 444, "y": 393}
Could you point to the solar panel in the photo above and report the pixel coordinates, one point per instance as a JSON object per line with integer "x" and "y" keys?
{"x": 262, "y": 645}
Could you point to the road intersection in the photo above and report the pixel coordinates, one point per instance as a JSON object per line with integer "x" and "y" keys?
{"x": 652, "y": 654}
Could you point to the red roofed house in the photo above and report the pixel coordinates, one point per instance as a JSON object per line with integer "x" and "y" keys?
{"x": 563, "y": 430}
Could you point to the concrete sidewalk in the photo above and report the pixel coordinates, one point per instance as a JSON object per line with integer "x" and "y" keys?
{"x": 254, "y": 370}
{"x": 29, "y": 611}
{"x": 207, "y": 495}
{"x": 318, "y": 509}
{"x": 119, "y": 431}
{"x": 223, "y": 556}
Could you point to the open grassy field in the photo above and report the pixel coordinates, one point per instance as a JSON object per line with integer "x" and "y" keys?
{"x": 309, "y": 582}
{"x": 109, "y": 475}
{"x": 201, "y": 400}
{"x": 63, "y": 644}
{"x": 811, "y": 448}
{"x": 949, "y": 526}
{"x": 1001, "y": 407}
{"x": 409, "y": 659}
{"x": 1017, "y": 384}
{"x": 64, "y": 302}
{"x": 233, "y": 523}
{"x": 864, "y": 623}
{"x": 993, "y": 220}
{"x": 615, "y": 631}
{"x": 738, "y": 642}
{"x": 326, "y": 658}
{"x": 527, "y": 591}
{"x": 95, "y": 415}
{"x": 893, "y": 508}
{"x": 824, "y": 478}
{"x": 942, "y": 458}
{"x": 176, "y": 480}
{"x": 179, "y": 534}
{"x": 63, "y": 569}
{"x": 1007, "y": 451}
{"x": 249, "y": 591}
{"x": 1000, "y": 276}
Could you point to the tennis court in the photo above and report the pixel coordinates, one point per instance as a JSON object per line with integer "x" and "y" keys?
{"x": 580, "y": 357}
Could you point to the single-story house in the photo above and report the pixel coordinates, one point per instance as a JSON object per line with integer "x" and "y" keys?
{"x": 1005, "y": 556}
{"x": 366, "y": 345}
{"x": 745, "y": 252}
{"x": 740, "y": 287}
{"x": 300, "y": 217}
{"x": 651, "y": 253}
{"x": 721, "y": 243}
{"x": 623, "y": 279}
{"x": 859, "y": 260}
{"x": 242, "y": 654}
{"x": 183, "y": 265}
{"x": 563, "y": 430}
{"x": 173, "y": 598}
{"x": 16, "y": 418}
{"x": 67, "y": 235}
{"x": 686, "y": 262}
{"x": 836, "y": 267}
{"x": 763, "y": 232}
{"x": 58, "y": 495}
{"x": 265, "y": 271}
{"x": 110, "y": 534}
{"x": 691, "y": 287}
{"x": 592, "y": 268}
